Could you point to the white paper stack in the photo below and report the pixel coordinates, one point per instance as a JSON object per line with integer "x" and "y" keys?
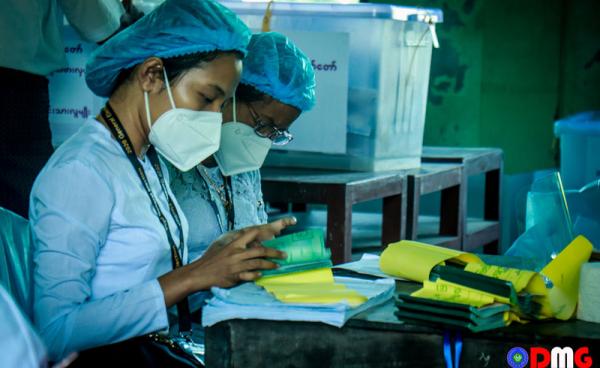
{"x": 249, "y": 301}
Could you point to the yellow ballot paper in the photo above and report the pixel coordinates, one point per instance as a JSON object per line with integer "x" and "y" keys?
{"x": 414, "y": 261}
{"x": 555, "y": 289}
{"x": 306, "y": 276}
{"x": 563, "y": 272}
{"x": 318, "y": 276}
{"x": 318, "y": 294}
{"x": 529, "y": 281}
{"x": 310, "y": 287}
{"x": 449, "y": 292}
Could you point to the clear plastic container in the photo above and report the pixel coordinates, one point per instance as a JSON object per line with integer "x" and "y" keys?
{"x": 549, "y": 228}
{"x": 583, "y": 207}
{"x": 579, "y": 148}
{"x": 389, "y": 65}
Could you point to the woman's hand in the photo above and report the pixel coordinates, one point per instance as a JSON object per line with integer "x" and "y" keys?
{"x": 272, "y": 229}
{"x": 241, "y": 259}
{"x": 236, "y": 256}
{"x": 265, "y": 232}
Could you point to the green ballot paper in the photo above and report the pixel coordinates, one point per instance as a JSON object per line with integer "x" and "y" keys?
{"x": 447, "y": 314}
{"x": 305, "y": 251}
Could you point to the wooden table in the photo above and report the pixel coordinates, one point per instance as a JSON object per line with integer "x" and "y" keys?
{"x": 487, "y": 161}
{"x": 449, "y": 180}
{"x": 443, "y": 169}
{"x": 339, "y": 191}
{"x": 376, "y": 338}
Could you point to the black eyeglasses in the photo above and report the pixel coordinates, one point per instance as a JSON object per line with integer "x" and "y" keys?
{"x": 279, "y": 137}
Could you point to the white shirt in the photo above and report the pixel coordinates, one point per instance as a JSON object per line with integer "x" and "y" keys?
{"x": 204, "y": 209}
{"x": 98, "y": 245}
{"x": 31, "y": 30}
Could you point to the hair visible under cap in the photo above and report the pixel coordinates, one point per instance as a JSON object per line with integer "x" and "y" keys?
{"x": 246, "y": 93}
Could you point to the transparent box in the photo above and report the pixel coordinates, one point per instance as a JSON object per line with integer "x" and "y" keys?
{"x": 388, "y": 78}
{"x": 579, "y": 148}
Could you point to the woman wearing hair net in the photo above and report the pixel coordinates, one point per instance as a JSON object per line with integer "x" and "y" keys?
{"x": 223, "y": 193}
{"x": 110, "y": 240}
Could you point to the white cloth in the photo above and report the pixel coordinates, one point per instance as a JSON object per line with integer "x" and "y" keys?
{"x": 31, "y": 30}
{"x": 588, "y": 307}
{"x": 19, "y": 344}
{"x": 98, "y": 245}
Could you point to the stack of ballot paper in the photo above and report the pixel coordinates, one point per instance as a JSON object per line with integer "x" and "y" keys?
{"x": 459, "y": 280}
{"x": 305, "y": 276}
{"x": 250, "y": 301}
{"x": 303, "y": 288}
{"x": 305, "y": 251}
{"x": 315, "y": 286}
{"x": 435, "y": 312}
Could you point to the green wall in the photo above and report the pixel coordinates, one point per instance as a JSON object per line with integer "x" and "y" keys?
{"x": 507, "y": 69}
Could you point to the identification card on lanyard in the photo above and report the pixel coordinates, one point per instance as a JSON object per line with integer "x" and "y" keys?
{"x": 116, "y": 128}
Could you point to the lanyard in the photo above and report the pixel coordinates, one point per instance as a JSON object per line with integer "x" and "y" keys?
{"x": 116, "y": 128}
{"x": 231, "y": 209}
{"x": 226, "y": 199}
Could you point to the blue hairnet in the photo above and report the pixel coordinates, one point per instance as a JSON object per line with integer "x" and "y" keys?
{"x": 275, "y": 66}
{"x": 175, "y": 28}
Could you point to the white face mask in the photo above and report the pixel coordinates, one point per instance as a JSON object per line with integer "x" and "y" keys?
{"x": 241, "y": 149}
{"x": 182, "y": 136}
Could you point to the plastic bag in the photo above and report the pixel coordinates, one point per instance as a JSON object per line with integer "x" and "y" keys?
{"x": 548, "y": 223}
{"x": 584, "y": 207}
